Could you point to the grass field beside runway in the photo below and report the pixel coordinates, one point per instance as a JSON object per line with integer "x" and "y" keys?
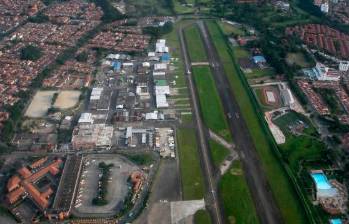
{"x": 195, "y": 46}
{"x": 218, "y": 153}
{"x": 210, "y": 103}
{"x": 236, "y": 198}
{"x": 202, "y": 217}
{"x": 192, "y": 179}
{"x": 285, "y": 195}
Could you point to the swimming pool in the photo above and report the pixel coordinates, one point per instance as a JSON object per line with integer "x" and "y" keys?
{"x": 321, "y": 181}
{"x": 335, "y": 221}
{"x": 323, "y": 186}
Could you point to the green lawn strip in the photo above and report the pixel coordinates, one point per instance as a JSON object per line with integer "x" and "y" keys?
{"x": 202, "y": 217}
{"x": 195, "y": 46}
{"x": 210, "y": 103}
{"x": 276, "y": 172}
{"x": 218, "y": 152}
{"x": 182, "y": 100}
{"x": 187, "y": 118}
{"x": 258, "y": 73}
{"x": 192, "y": 179}
{"x": 235, "y": 195}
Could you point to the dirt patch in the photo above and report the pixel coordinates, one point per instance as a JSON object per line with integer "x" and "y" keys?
{"x": 236, "y": 172}
{"x": 67, "y": 99}
{"x": 40, "y": 104}
{"x": 298, "y": 59}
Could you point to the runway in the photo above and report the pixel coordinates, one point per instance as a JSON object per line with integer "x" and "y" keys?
{"x": 211, "y": 198}
{"x": 262, "y": 196}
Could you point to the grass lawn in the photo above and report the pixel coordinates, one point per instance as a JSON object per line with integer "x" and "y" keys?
{"x": 235, "y": 195}
{"x": 210, "y": 103}
{"x": 285, "y": 195}
{"x": 142, "y": 159}
{"x": 259, "y": 73}
{"x": 184, "y": 101}
{"x": 195, "y": 46}
{"x": 192, "y": 180}
{"x": 187, "y": 118}
{"x": 202, "y": 217}
{"x": 298, "y": 59}
{"x": 240, "y": 52}
{"x": 218, "y": 152}
{"x": 229, "y": 29}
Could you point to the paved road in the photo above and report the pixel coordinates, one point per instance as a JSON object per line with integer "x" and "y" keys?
{"x": 211, "y": 198}
{"x": 264, "y": 201}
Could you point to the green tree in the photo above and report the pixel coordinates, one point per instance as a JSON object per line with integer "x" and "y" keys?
{"x": 82, "y": 57}
{"x": 39, "y": 18}
{"x": 109, "y": 12}
{"x": 31, "y": 53}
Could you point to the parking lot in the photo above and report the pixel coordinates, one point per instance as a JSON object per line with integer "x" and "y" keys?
{"x": 117, "y": 188}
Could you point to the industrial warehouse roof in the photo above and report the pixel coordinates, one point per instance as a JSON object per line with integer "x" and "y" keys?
{"x": 86, "y": 118}
{"x": 160, "y": 66}
{"x": 162, "y": 90}
{"x": 161, "y": 101}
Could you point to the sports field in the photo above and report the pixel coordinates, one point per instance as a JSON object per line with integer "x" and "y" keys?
{"x": 281, "y": 186}
{"x": 210, "y": 103}
{"x": 40, "y": 104}
{"x": 67, "y": 99}
{"x": 268, "y": 97}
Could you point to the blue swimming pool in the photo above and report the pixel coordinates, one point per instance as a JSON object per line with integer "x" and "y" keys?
{"x": 335, "y": 221}
{"x": 321, "y": 181}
